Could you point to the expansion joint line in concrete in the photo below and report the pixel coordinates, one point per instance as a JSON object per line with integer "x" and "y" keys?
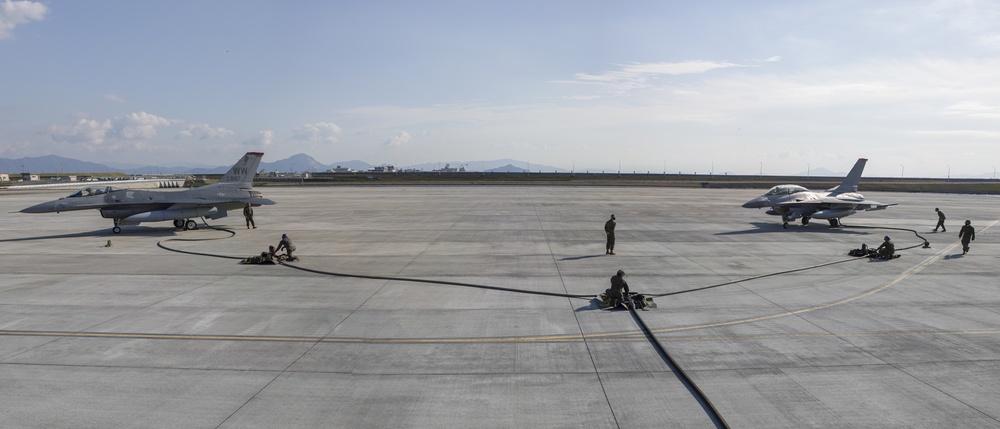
{"x": 901, "y": 277}
{"x": 906, "y": 274}
{"x": 920, "y": 380}
{"x": 576, "y": 316}
{"x": 699, "y": 395}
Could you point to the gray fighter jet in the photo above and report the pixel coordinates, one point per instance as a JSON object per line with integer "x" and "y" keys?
{"x": 132, "y": 207}
{"x": 792, "y": 201}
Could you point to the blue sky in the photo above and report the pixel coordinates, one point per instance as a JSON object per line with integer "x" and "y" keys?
{"x": 742, "y": 87}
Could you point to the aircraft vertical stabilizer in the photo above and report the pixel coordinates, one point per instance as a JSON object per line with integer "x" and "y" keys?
{"x": 244, "y": 169}
{"x": 850, "y": 183}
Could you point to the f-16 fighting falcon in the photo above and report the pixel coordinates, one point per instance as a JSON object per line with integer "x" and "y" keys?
{"x": 132, "y": 207}
{"x": 792, "y": 201}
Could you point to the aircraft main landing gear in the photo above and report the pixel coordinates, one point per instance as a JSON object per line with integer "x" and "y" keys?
{"x": 117, "y": 229}
{"x": 835, "y": 223}
{"x": 186, "y": 224}
{"x": 784, "y": 225}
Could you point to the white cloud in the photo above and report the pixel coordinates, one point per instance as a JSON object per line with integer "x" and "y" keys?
{"x": 14, "y": 13}
{"x": 317, "y": 132}
{"x": 635, "y": 76}
{"x": 134, "y": 130}
{"x": 963, "y": 134}
{"x": 86, "y": 131}
{"x": 398, "y": 140}
{"x": 139, "y": 126}
{"x": 773, "y": 59}
{"x": 991, "y": 40}
{"x": 263, "y": 138}
{"x": 203, "y": 132}
{"x": 114, "y": 98}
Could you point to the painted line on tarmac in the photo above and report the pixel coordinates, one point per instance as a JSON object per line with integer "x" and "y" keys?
{"x": 610, "y": 336}
{"x": 906, "y": 274}
{"x": 629, "y": 337}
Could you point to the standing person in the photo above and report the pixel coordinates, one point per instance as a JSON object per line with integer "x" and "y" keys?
{"x": 619, "y": 289}
{"x": 967, "y": 234}
{"x": 286, "y": 243}
{"x": 248, "y": 213}
{"x": 940, "y": 223}
{"x": 609, "y": 229}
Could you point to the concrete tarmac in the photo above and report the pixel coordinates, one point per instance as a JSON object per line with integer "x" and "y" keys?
{"x": 140, "y": 335}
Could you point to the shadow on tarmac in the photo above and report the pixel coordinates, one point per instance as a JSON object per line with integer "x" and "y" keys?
{"x": 955, "y": 256}
{"x": 577, "y": 258}
{"x": 768, "y": 227}
{"x": 103, "y": 232}
{"x": 595, "y": 304}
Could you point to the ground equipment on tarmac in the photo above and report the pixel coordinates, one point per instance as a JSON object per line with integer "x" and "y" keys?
{"x": 634, "y": 300}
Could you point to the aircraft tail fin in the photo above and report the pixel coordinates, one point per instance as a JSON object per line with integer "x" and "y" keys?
{"x": 244, "y": 169}
{"x": 850, "y": 183}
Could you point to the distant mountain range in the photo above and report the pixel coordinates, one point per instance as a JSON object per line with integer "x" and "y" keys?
{"x": 53, "y": 164}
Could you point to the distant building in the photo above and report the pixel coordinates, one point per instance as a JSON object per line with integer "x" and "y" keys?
{"x": 340, "y": 169}
{"x": 64, "y": 178}
{"x": 447, "y": 169}
{"x": 383, "y": 169}
{"x": 4, "y": 177}
{"x": 28, "y": 177}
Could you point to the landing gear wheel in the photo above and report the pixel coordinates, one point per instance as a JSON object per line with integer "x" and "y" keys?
{"x": 190, "y": 224}
{"x": 116, "y": 229}
{"x": 785, "y": 225}
{"x": 834, "y": 223}
{"x": 805, "y": 220}
{"x": 178, "y": 223}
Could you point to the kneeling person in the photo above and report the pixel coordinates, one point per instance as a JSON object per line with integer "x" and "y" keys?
{"x": 887, "y": 249}
{"x": 619, "y": 289}
{"x": 286, "y": 243}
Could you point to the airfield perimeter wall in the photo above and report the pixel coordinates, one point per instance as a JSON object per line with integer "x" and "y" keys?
{"x": 874, "y": 184}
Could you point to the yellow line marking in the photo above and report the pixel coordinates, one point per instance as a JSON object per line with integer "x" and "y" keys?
{"x": 609, "y": 336}
{"x": 563, "y": 339}
{"x": 906, "y": 274}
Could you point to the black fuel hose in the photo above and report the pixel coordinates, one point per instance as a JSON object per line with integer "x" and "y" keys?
{"x": 505, "y": 289}
{"x": 924, "y": 244}
{"x": 699, "y": 395}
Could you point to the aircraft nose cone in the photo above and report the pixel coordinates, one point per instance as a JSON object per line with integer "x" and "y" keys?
{"x": 756, "y": 203}
{"x": 46, "y": 207}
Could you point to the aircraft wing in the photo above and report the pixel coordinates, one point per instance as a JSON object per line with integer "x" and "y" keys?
{"x": 869, "y": 205}
{"x": 260, "y": 201}
{"x": 829, "y": 208}
{"x": 208, "y": 202}
{"x": 833, "y": 202}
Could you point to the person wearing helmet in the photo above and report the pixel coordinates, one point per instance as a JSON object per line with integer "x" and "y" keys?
{"x": 887, "y": 249}
{"x": 940, "y": 223}
{"x": 609, "y": 229}
{"x": 967, "y": 234}
{"x": 619, "y": 289}
{"x": 286, "y": 243}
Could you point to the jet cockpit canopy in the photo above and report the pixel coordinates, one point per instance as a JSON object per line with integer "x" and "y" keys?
{"x": 91, "y": 191}
{"x": 786, "y": 190}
